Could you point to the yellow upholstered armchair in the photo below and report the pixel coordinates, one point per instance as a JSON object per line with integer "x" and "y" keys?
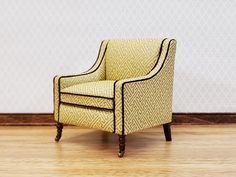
{"x": 129, "y": 88}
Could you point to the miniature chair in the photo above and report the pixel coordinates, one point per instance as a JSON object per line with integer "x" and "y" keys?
{"x": 128, "y": 89}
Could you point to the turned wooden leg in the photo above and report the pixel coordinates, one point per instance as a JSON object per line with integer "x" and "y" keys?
{"x": 167, "y": 131}
{"x": 121, "y": 145}
{"x": 59, "y": 131}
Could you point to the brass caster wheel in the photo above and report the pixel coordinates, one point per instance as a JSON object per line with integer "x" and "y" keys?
{"x": 121, "y": 154}
{"x": 121, "y": 146}
{"x": 57, "y": 138}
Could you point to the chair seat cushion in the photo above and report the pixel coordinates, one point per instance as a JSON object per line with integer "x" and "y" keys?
{"x": 98, "y": 94}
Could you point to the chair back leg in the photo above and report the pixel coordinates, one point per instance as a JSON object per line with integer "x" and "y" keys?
{"x": 167, "y": 131}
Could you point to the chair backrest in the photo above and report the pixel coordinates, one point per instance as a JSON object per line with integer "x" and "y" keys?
{"x": 127, "y": 58}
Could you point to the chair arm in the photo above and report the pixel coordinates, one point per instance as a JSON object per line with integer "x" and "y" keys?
{"x": 95, "y": 73}
{"x": 146, "y": 101}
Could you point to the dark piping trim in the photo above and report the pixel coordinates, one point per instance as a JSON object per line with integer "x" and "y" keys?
{"x": 158, "y": 58}
{"x": 93, "y": 65}
{"x": 94, "y": 96}
{"x": 114, "y": 106}
{"x": 85, "y": 106}
{"x": 54, "y": 96}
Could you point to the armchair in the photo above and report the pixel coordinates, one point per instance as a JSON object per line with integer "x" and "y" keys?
{"x": 129, "y": 88}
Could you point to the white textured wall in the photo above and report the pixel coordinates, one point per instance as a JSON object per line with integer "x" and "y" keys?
{"x": 42, "y": 38}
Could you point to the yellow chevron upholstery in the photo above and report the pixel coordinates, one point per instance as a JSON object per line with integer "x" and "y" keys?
{"x": 129, "y": 87}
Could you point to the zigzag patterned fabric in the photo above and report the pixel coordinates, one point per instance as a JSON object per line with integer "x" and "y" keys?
{"x": 132, "y": 58}
{"x": 86, "y": 117}
{"x": 96, "y": 94}
{"x": 95, "y": 73}
{"x": 129, "y": 88}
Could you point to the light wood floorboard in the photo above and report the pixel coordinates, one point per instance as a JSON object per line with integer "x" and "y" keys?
{"x": 194, "y": 151}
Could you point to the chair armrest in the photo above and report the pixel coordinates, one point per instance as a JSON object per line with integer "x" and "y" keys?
{"x": 95, "y": 73}
{"x": 146, "y": 101}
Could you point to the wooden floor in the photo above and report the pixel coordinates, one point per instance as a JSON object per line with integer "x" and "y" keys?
{"x": 194, "y": 151}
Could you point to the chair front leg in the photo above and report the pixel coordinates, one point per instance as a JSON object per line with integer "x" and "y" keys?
{"x": 59, "y": 131}
{"x": 121, "y": 145}
{"x": 167, "y": 131}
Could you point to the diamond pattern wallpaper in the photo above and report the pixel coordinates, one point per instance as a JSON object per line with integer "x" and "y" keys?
{"x": 41, "y": 39}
